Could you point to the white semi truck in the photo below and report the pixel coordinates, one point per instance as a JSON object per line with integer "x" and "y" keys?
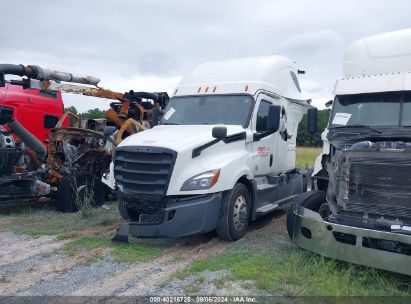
{"x": 223, "y": 154}
{"x": 360, "y": 211}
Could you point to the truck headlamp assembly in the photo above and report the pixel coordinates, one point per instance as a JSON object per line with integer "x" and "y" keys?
{"x": 202, "y": 181}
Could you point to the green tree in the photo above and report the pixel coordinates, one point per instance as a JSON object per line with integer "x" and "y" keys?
{"x": 93, "y": 114}
{"x": 71, "y": 109}
{"x": 306, "y": 140}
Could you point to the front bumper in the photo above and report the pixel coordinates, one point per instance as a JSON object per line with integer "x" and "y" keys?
{"x": 193, "y": 215}
{"x": 350, "y": 244}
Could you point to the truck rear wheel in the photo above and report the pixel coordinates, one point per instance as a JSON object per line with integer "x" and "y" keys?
{"x": 234, "y": 214}
{"x": 311, "y": 200}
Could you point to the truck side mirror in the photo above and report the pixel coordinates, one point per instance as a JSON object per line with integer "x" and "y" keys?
{"x": 329, "y": 103}
{"x": 312, "y": 120}
{"x": 154, "y": 117}
{"x": 273, "y": 122}
{"x": 219, "y": 132}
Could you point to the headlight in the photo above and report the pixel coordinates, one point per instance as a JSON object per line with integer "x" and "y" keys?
{"x": 202, "y": 181}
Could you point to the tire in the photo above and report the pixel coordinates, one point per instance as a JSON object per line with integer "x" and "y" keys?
{"x": 311, "y": 200}
{"x": 234, "y": 214}
{"x": 66, "y": 191}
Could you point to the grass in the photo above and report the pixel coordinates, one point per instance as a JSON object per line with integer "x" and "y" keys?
{"x": 306, "y": 156}
{"x": 41, "y": 219}
{"x": 124, "y": 253}
{"x": 192, "y": 289}
{"x": 302, "y": 273}
{"x": 83, "y": 233}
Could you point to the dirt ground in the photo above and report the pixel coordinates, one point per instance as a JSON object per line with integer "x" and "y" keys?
{"x": 40, "y": 266}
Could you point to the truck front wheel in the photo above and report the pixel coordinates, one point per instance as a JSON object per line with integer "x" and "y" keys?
{"x": 311, "y": 200}
{"x": 234, "y": 214}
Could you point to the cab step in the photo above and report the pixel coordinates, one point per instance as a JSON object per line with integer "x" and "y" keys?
{"x": 266, "y": 208}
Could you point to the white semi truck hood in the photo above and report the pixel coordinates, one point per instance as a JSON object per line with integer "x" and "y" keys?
{"x": 183, "y": 139}
{"x": 176, "y": 137}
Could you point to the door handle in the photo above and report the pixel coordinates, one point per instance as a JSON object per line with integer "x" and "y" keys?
{"x": 271, "y": 160}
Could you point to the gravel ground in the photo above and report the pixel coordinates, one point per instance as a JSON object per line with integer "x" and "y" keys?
{"x": 75, "y": 278}
{"x": 38, "y": 266}
{"x": 207, "y": 283}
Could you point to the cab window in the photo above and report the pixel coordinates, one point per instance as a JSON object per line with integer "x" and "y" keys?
{"x": 6, "y": 115}
{"x": 50, "y": 121}
{"x": 262, "y": 116}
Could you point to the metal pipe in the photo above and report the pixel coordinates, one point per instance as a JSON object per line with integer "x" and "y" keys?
{"x": 12, "y": 69}
{"x": 47, "y": 74}
{"x": 29, "y": 139}
{"x": 39, "y": 73}
{"x": 146, "y": 95}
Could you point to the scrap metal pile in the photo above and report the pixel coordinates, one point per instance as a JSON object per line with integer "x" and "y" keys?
{"x": 72, "y": 159}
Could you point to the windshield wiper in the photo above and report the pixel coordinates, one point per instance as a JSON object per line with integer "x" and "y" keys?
{"x": 170, "y": 123}
{"x": 359, "y": 126}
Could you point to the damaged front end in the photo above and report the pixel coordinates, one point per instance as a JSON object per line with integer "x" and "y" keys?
{"x": 366, "y": 217}
{"x": 73, "y": 150}
{"x": 16, "y": 182}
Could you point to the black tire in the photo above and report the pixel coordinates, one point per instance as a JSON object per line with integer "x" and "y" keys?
{"x": 232, "y": 225}
{"x": 66, "y": 191}
{"x": 311, "y": 200}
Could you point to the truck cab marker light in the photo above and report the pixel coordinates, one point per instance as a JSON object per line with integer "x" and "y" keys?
{"x": 246, "y": 88}
{"x": 215, "y": 89}
{"x": 199, "y": 90}
{"x": 206, "y": 90}
{"x": 214, "y": 179}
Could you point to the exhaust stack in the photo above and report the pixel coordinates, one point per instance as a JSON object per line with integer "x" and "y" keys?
{"x": 28, "y": 138}
{"x": 39, "y": 73}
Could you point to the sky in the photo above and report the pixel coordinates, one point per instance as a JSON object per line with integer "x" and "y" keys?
{"x": 150, "y": 45}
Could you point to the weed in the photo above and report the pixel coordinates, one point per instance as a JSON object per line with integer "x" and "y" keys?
{"x": 201, "y": 278}
{"x": 246, "y": 285}
{"x": 84, "y": 197}
{"x": 163, "y": 284}
{"x": 192, "y": 289}
{"x": 37, "y": 232}
{"x": 38, "y": 221}
{"x": 67, "y": 236}
{"x": 124, "y": 253}
{"x": 220, "y": 282}
{"x": 302, "y": 273}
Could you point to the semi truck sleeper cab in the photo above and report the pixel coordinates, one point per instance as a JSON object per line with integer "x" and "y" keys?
{"x": 223, "y": 154}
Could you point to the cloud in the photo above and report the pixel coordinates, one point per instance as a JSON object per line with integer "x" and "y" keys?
{"x": 150, "y": 44}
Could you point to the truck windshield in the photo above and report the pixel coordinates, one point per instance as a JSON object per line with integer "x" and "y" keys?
{"x": 372, "y": 109}
{"x": 208, "y": 110}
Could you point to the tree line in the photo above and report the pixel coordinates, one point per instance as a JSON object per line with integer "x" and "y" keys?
{"x": 90, "y": 114}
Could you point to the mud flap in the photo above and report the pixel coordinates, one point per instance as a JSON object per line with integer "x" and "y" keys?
{"x": 122, "y": 233}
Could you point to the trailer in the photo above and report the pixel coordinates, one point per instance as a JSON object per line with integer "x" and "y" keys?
{"x": 222, "y": 156}
{"x": 360, "y": 209}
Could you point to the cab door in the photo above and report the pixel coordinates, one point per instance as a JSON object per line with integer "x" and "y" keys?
{"x": 269, "y": 152}
{"x": 263, "y": 150}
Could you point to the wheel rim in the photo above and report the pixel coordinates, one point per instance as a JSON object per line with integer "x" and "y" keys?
{"x": 240, "y": 213}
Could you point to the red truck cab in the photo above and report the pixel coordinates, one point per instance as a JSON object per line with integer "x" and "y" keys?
{"x": 37, "y": 110}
